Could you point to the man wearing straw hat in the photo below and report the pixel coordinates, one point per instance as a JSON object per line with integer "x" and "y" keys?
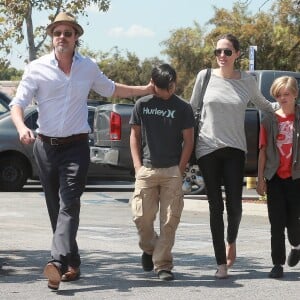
{"x": 60, "y": 83}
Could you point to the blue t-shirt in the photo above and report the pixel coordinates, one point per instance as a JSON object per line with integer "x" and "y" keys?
{"x": 162, "y": 123}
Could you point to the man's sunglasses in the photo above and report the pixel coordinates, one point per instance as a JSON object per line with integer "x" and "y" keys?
{"x": 65, "y": 33}
{"x": 227, "y": 52}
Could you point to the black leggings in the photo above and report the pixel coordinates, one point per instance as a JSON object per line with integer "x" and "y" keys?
{"x": 223, "y": 166}
{"x": 284, "y": 212}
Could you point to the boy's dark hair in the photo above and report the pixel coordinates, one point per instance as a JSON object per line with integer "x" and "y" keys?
{"x": 163, "y": 75}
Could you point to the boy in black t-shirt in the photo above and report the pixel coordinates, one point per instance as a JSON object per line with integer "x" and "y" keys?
{"x": 161, "y": 141}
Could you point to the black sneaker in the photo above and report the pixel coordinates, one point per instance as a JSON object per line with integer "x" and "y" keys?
{"x": 147, "y": 262}
{"x": 165, "y": 275}
{"x": 276, "y": 272}
{"x": 293, "y": 257}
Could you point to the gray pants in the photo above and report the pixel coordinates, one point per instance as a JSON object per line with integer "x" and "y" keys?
{"x": 63, "y": 170}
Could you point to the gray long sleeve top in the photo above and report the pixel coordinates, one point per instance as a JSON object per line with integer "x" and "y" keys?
{"x": 223, "y": 112}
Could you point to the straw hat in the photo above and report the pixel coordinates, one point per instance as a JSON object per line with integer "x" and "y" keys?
{"x": 64, "y": 17}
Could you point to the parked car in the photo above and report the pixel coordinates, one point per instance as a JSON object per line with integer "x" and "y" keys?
{"x": 17, "y": 163}
{"x": 4, "y": 102}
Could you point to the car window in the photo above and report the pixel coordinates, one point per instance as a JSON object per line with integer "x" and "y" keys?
{"x": 31, "y": 119}
{"x": 3, "y": 108}
{"x": 4, "y": 102}
{"x": 4, "y": 98}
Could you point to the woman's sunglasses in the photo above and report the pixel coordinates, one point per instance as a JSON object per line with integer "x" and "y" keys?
{"x": 227, "y": 52}
{"x": 65, "y": 33}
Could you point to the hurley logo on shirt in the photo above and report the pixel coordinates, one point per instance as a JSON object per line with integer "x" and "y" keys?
{"x": 158, "y": 112}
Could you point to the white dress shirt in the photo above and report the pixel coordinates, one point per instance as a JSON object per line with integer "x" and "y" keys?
{"x": 61, "y": 98}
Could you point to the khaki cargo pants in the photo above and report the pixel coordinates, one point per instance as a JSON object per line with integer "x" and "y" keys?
{"x": 158, "y": 189}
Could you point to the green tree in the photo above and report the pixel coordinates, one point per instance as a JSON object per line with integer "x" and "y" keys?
{"x": 127, "y": 69}
{"x": 14, "y": 14}
{"x": 286, "y": 35}
{"x": 9, "y": 74}
{"x": 275, "y": 32}
{"x": 187, "y": 54}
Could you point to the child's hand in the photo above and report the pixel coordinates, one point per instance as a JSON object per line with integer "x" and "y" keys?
{"x": 261, "y": 187}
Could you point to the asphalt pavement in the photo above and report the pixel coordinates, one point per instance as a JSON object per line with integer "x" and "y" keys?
{"x": 111, "y": 267}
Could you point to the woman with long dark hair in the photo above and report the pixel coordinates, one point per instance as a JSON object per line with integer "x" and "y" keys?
{"x": 221, "y": 143}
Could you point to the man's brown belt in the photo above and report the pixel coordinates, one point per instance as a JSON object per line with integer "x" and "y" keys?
{"x": 55, "y": 141}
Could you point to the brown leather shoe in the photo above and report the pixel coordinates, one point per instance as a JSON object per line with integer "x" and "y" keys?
{"x": 53, "y": 273}
{"x": 71, "y": 275}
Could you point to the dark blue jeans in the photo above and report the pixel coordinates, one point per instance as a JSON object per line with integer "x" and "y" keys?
{"x": 284, "y": 212}
{"x": 223, "y": 167}
{"x": 63, "y": 171}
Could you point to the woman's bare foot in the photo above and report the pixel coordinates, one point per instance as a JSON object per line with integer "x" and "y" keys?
{"x": 231, "y": 254}
{"x": 221, "y": 272}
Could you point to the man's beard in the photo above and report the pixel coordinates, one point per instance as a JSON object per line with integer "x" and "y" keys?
{"x": 61, "y": 49}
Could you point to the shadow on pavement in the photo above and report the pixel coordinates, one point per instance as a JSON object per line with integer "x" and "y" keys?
{"x": 102, "y": 270}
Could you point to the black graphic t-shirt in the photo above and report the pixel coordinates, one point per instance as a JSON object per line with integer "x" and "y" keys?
{"x": 162, "y": 123}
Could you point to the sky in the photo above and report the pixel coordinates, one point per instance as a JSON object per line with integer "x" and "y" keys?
{"x": 140, "y": 26}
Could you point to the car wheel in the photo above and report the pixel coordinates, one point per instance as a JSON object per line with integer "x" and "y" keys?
{"x": 14, "y": 173}
{"x": 193, "y": 183}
